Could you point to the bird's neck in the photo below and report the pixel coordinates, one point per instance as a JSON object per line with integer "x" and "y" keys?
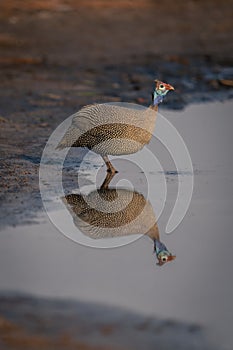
{"x": 153, "y": 232}
{"x": 159, "y": 246}
{"x": 156, "y": 99}
{"x": 154, "y": 107}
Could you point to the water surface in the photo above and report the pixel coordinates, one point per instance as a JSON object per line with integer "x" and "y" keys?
{"x": 195, "y": 287}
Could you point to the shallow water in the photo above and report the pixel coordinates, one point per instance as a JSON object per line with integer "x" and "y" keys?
{"x": 196, "y": 287}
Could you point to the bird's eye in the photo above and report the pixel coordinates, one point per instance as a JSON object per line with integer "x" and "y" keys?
{"x": 164, "y": 259}
{"x": 162, "y": 87}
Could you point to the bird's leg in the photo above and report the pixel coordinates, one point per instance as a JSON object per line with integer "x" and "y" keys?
{"x": 107, "y": 181}
{"x": 110, "y": 167}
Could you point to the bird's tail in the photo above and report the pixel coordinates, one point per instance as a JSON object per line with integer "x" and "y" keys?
{"x": 67, "y": 141}
{"x": 61, "y": 146}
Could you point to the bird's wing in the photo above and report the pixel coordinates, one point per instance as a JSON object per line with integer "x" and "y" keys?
{"x": 98, "y": 114}
{"x": 102, "y": 121}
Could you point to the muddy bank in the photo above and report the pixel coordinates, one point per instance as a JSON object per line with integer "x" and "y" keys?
{"x": 33, "y": 323}
{"x": 105, "y": 31}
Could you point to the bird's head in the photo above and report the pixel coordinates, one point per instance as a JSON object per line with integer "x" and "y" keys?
{"x": 161, "y": 89}
{"x": 162, "y": 254}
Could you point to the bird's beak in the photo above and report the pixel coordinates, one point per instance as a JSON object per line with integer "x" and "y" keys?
{"x": 169, "y": 87}
{"x": 171, "y": 257}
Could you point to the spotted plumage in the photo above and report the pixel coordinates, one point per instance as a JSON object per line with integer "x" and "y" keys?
{"x": 109, "y": 212}
{"x": 114, "y": 129}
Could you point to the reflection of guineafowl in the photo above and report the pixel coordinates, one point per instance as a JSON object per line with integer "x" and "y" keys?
{"x": 113, "y": 129}
{"x": 109, "y": 212}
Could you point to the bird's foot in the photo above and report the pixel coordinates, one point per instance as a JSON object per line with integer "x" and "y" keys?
{"x": 110, "y": 167}
{"x": 112, "y": 171}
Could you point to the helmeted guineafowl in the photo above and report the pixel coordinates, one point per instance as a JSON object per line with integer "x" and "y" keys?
{"x": 113, "y": 129}
{"x": 110, "y": 212}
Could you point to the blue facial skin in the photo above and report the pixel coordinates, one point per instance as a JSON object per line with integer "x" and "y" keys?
{"x": 158, "y": 96}
{"x": 159, "y": 247}
{"x": 162, "y": 254}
